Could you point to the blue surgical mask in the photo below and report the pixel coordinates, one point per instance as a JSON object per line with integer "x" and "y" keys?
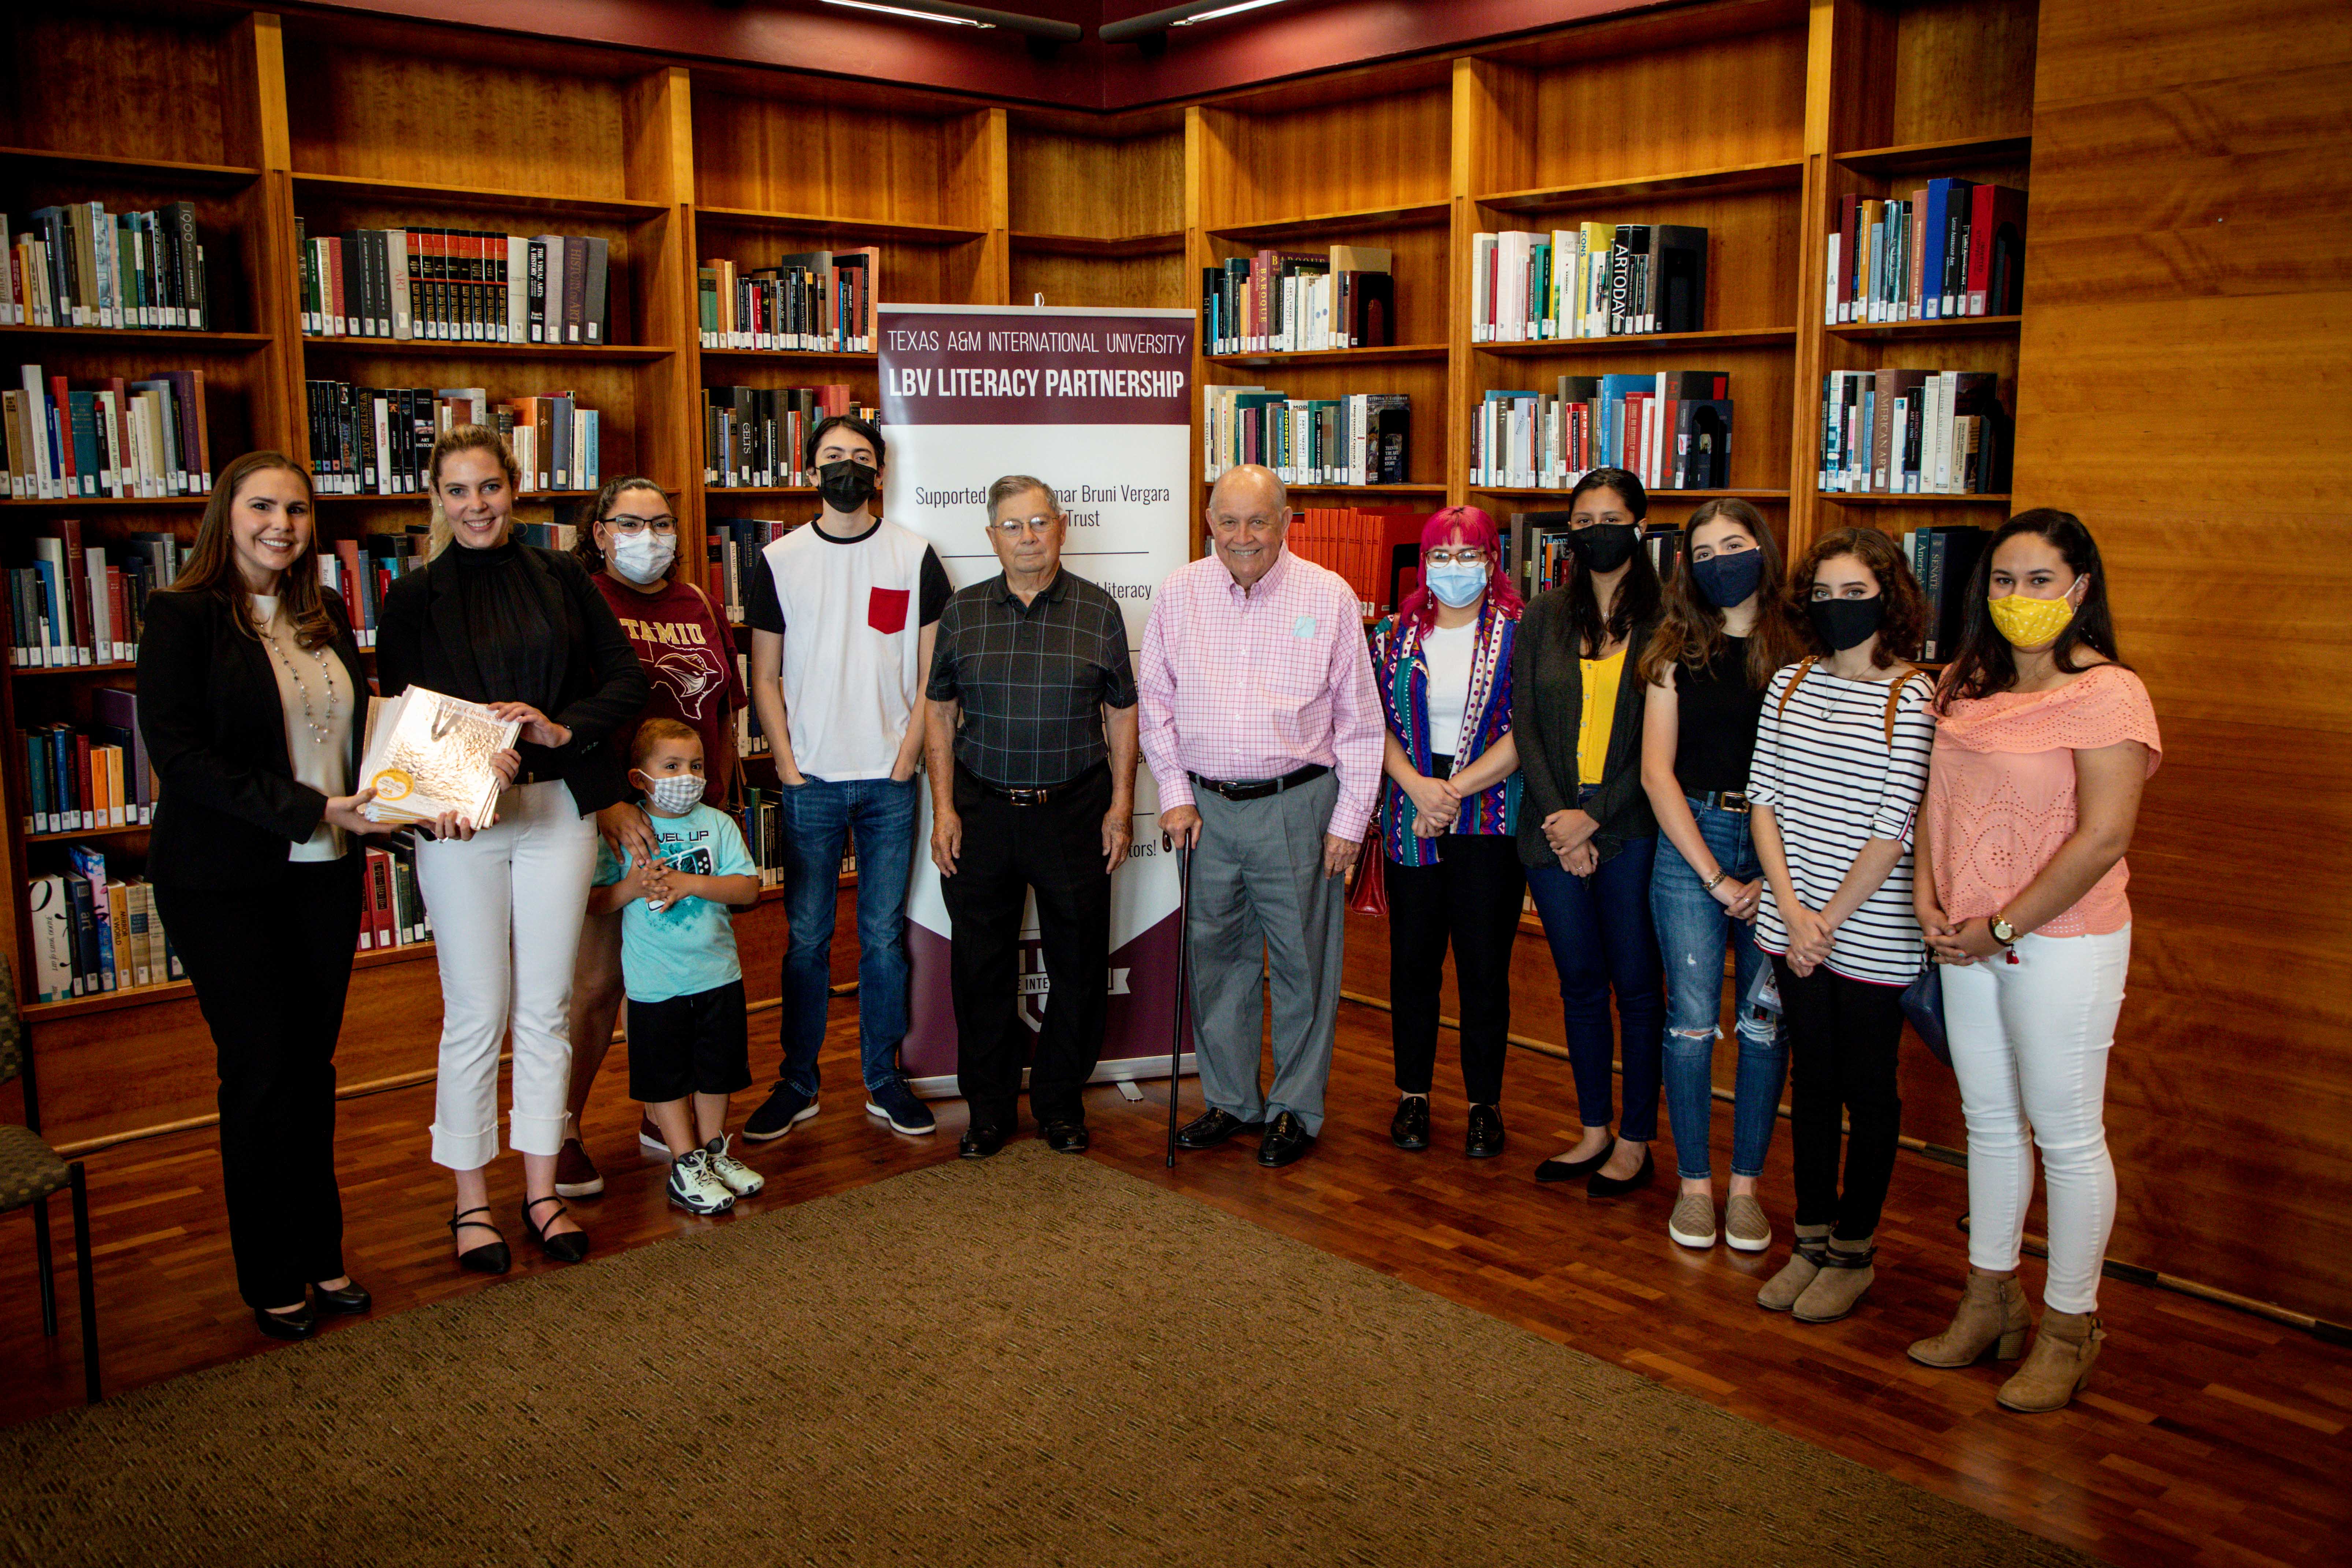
{"x": 1456, "y": 585}
{"x": 1726, "y": 580}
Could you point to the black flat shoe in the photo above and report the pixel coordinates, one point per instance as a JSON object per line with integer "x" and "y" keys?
{"x": 352, "y": 1298}
{"x": 1212, "y": 1128}
{"x": 1485, "y": 1139}
{"x": 491, "y": 1258}
{"x": 1560, "y": 1169}
{"x": 297, "y": 1324}
{"x": 1409, "y": 1127}
{"x": 980, "y": 1142}
{"x": 569, "y": 1247}
{"x": 1287, "y": 1141}
{"x": 1066, "y": 1137}
{"x": 1602, "y": 1186}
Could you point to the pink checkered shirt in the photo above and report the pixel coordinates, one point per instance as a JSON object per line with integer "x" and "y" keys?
{"x": 1255, "y": 684}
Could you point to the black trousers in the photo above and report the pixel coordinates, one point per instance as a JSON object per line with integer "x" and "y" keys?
{"x": 1844, "y": 1037}
{"x": 270, "y": 967}
{"x": 1008, "y": 850}
{"x": 1471, "y": 899}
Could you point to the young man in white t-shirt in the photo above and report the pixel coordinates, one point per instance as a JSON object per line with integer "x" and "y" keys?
{"x": 841, "y": 615}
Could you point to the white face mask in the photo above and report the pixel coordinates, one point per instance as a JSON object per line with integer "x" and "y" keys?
{"x": 642, "y": 556}
{"x": 673, "y": 792}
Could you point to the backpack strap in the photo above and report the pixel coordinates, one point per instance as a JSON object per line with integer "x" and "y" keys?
{"x": 1803, "y": 666}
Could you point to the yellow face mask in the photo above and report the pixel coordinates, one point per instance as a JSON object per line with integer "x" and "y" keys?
{"x": 2030, "y": 623}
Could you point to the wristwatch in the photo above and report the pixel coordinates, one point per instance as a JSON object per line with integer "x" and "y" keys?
{"x": 2003, "y": 931}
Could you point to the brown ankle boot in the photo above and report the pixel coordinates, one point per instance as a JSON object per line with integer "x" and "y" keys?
{"x": 1780, "y": 1292}
{"x": 1991, "y": 1318}
{"x": 1845, "y": 1274}
{"x": 2059, "y": 1365}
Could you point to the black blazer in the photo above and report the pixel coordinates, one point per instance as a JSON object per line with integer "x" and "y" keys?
{"x": 228, "y": 810}
{"x": 1546, "y": 712}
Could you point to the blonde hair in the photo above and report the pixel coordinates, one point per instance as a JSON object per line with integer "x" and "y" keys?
{"x": 464, "y": 438}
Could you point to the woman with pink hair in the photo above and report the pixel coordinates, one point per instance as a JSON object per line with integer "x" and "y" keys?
{"x": 1448, "y": 815}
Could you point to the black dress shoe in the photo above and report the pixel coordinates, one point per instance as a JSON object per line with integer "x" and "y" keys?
{"x": 491, "y": 1256}
{"x": 1485, "y": 1139}
{"x": 1560, "y": 1168}
{"x": 1409, "y": 1127}
{"x": 1065, "y": 1137}
{"x": 297, "y": 1324}
{"x": 1212, "y": 1128}
{"x": 980, "y": 1142}
{"x": 569, "y": 1247}
{"x": 352, "y": 1298}
{"x": 1602, "y": 1186}
{"x": 1286, "y": 1139}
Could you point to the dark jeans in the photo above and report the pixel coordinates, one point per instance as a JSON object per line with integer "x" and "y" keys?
{"x": 1601, "y": 940}
{"x": 271, "y": 966}
{"x": 1842, "y": 1039}
{"x": 1471, "y": 899}
{"x": 1008, "y": 850}
{"x": 817, "y": 816}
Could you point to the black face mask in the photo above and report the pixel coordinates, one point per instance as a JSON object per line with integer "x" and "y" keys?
{"x": 846, "y": 485}
{"x": 1604, "y": 546}
{"x": 1847, "y": 623}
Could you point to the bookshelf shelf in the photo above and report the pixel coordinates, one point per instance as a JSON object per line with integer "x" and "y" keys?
{"x": 1367, "y": 490}
{"x": 98, "y": 166}
{"x": 1865, "y": 497}
{"x": 1400, "y": 353}
{"x": 1945, "y": 327}
{"x": 844, "y": 227}
{"x": 715, "y": 492}
{"x": 602, "y": 353}
{"x": 1936, "y": 157}
{"x": 174, "y": 990}
{"x": 142, "y": 337}
{"x": 1655, "y": 496}
{"x": 1415, "y": 215}
{"x": 111, "y": 666}
{"x": 1119, "y": 247}
{"x": 74, "y": 503}
{"x": 355, "y": 188}
{"x": 418, "y": 498}
{"x": 1646, "y": 342}
{"x": 1780, "y": 173}
{"x": 78, "y": 832}
{"x": 861, "y": 359}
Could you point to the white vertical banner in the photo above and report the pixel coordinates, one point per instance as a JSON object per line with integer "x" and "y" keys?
{"x": 1096, "y": 404}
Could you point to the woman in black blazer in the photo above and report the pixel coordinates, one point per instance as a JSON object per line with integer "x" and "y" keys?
{"x": 252, "y": 704}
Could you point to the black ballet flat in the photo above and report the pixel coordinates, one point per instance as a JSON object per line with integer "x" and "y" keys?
{"x": 569, "y": 1247}
{"x": 491, "y": 1258}
{"x": 1558, "y": 1169}
{"x": 1602, "y": 1186}
{"x": 352, "y": 1298}
{"x": 297, "y": 1324}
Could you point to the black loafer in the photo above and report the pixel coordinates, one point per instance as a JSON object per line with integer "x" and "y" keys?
{"x": 352, "y": 1298}
{"x": 569, "y": 1247}
{"x": 297, "y": 1324}
{"x": 1286, "y": 1139}
{"x": 1212, "y": 1128}
{"x": 1560, "y": 1168}
{"x": 491, "y": 1258}
{"x": 1485, "y": 1139}
{"x": 980, "y": 1142}
{"x": 1602, "y": 1186}
{"x": 1409, "y": 1127}
{"x": 1066, "y": 1137}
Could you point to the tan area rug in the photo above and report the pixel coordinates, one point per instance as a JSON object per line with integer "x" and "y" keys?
{"x": 1034, "y": 1358}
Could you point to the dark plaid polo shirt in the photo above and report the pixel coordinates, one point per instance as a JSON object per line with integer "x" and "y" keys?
{"x": 1033, "y": 678}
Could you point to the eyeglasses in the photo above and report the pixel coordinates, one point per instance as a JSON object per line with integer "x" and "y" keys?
{"x": 630, "y": 527}
{"x": 1443, "y": 557}
{"x": 1015, "y": 527}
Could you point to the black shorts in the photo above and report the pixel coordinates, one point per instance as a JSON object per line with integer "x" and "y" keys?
{"x": 689, "y": 1044}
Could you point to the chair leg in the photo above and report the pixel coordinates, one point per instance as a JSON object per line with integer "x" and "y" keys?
{"x": 88, "y": 1287}
{"x": 46, "y": 1265}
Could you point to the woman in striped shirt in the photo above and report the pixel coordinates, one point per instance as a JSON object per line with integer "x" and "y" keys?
{"x": 1841, "y": 763}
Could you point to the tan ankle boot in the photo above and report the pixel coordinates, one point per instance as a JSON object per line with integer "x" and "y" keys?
{"x": 1845, "y": 1274}
{"x": 2059, "y": 1365}
{"x": 1991, "y": 1318}
{"x": 1780, "y": 1292}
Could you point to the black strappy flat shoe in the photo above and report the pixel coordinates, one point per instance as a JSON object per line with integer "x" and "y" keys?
{"x": 569, "y": 1247}
{"x": 491, "y": 1257}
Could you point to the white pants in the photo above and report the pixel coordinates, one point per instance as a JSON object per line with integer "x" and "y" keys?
{"x": 506, "y": 906}
{"x": 2030, "y": 1045}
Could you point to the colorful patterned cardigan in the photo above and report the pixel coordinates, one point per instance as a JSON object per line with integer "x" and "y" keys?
{"x": 1402, "y": 675}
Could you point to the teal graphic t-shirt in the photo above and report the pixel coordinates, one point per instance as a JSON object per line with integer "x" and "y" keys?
{"x": 689, "y": 947}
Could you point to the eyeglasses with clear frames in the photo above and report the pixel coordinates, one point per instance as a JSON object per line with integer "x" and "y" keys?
{"x": 631, "y": 526}
{"x": 1015, "y": 527}
{"x": 1441, "y": 556}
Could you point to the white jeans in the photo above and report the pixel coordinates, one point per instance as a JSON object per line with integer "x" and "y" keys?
{"x": 2029, "y": 1045}
{"x": 506, "y": 906}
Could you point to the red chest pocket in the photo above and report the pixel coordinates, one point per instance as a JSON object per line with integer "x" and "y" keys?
{"x": 886, "y": 610}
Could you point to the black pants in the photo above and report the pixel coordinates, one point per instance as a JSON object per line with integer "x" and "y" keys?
{"x": 271, "y": 966}
{"x": 1843, "y": 1035}
{"x": 1471, "y": 898}
{"x": 1008, "y": 850}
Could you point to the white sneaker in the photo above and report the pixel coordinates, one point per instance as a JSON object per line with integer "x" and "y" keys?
{"x": 740, "y": 1179}
{"x": 650, "y": 1139}
{"x": 696, "y": 1188}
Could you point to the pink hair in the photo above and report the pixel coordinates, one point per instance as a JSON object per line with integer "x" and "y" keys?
{"x": 1467, "y": 525}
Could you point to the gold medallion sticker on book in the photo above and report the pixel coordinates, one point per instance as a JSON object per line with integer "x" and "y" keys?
{"x": 392, "y": 784}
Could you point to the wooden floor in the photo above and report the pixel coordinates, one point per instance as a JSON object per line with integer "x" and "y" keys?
{"x": 2209, "y": 1436}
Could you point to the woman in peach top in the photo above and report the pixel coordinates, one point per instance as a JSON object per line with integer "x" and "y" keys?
{"x": 2043, "y": 742}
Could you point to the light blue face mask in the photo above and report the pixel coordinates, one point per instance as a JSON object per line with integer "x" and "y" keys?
{"x": 1456, "y": 585}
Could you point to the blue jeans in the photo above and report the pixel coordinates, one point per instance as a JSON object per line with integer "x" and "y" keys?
{"x": 1692, "y": 930}
{"x": 1598, "y": 928}
{"x": 816, "y": 815}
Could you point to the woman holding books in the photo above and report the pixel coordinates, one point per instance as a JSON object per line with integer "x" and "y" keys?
{"x": 688, "y": 652}
{"x": 1449, "y": 817}
{"x": 523, "y": 631}
{"x": 1585, "y": 834}
{"x": 1725, "y": 631}
{"x": 250, "y": 696}
{"x": 1841, "y": 762}
{"x": 2043, "y": 741}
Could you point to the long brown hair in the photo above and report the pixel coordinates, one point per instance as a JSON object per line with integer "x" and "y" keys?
{"x": 1690, "y": 630}
{"x": 212, "y": 564}
{"x": 1905, "y": 619}
{"x": 467, "y": 438}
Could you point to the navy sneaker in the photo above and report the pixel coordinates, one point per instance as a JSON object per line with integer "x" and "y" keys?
{"x": 895, "y": 1103}
{"x": 784, "y": 1109}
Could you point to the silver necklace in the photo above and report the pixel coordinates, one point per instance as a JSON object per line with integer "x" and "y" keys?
{"x": 317, "y": 727}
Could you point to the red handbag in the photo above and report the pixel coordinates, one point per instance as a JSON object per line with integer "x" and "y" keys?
{"x": 1367, "y": 884}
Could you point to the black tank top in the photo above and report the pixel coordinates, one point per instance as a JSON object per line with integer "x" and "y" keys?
{"x": 1716, "y": 712}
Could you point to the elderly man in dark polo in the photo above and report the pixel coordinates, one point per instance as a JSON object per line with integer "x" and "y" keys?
{"x": 1031, "y": 740}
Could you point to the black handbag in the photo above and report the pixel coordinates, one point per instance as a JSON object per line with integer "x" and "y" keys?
{"x": 1923, "y": 1005}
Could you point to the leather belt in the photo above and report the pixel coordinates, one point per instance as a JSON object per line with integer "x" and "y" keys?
{"x": 1258, "y": 789}
{"x": 1722, "y": 799}
{"x": 1031, "y": 796}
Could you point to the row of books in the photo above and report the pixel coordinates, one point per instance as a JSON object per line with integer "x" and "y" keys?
{"x": 1281, "y": 302}
{"x": 1362, "y": 438}
{"x": 755, "y": 436}
{"x": 81, "y": 266}
{"x": 1595, "y": 280}
{"x": 733, "y": 542}
{"x": 82, "y": 604}
{"x": 809, "y": 301}
{"x": 92, "y": 932}
{"x": 79, "y": 779}
{"x": 1913, "y": 432}
{"x": 362, "y": 569}
{"x": 455, "y": 285}
{"x": 376, "y": 441}
{"x": 1952, "y": 249}
{"x": 392, "y": 909}
{"x": 1944, "y": 559}
{"x": 761, "y": 820}
{"x": 1671, "y": 429}
{"x": 1537, "y": 554}
{"x": 1376, "y": 548}
{"x": 114, "y": 439}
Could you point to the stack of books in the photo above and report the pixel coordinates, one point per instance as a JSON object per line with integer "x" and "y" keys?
{"x": 811, "y": 301}
{"x": 1362, "y": 438}
{"x": 82, "y": 604}
{"x": 81, "y": 266}
{"x": 1950, "y": 248}
{"x": 1595, "y": 280}
{"x": 455, "y": 285}
{"x": 1671, "y": 429}
{"x": 1285, "y": 302}
{"x": 753, "y": 437}
{"x": 1913, "y": 432}
{"x": 375, "y": 440}
{"x": 142, "y": 441}
{"x": 428, "y": 753}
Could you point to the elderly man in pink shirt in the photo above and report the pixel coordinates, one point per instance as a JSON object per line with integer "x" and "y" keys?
{"x": 1263, "y": 730}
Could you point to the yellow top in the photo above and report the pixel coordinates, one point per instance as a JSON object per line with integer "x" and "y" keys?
{"x": 1600, "y": 679}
